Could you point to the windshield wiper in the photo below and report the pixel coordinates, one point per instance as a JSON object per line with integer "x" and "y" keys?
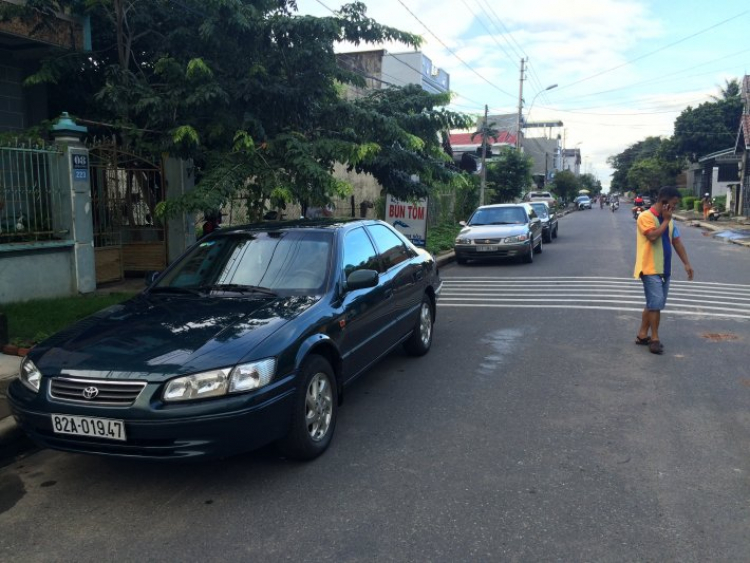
{"x": 240, "y": 288}
{"x": 174, "y": 289}
{"x": 503, "y": 223}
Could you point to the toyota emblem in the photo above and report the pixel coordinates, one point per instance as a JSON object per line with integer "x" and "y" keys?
{"x": 90, "y": 393}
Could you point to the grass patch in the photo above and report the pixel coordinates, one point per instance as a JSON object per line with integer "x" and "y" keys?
{"x": 33, "y": 321}
{"x": 442, "y": 237}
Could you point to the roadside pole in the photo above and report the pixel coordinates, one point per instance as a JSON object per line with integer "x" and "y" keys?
{"x": 483, "y": 176}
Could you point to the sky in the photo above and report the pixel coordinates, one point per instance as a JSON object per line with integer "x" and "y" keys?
{"x": 624, "y": 69}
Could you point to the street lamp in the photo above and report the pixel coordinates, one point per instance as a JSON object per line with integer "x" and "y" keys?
{"x": 528, "y": 113}
{"x": 550, "y": 87}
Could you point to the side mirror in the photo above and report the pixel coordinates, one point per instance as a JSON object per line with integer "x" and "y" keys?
{"x": 360, "y": 279}
{"x": 151, "y": 277}
{"x": 462, "y": 223}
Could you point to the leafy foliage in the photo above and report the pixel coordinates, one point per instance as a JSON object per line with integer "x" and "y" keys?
{"x": 508, "y": 175}
{"x": 566, "y": 185}
{"x": 648, "y": 175}
{"x": 251, "y": 92}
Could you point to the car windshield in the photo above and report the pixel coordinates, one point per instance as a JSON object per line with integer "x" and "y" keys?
{"x": 541, "y": 210}
{"x": 259, "y": 264}
{"x": 498, "y": 216}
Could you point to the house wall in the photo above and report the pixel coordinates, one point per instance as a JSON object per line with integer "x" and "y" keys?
{"x": 36, "y": 273}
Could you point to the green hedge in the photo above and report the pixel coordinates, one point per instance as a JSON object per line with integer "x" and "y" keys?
{"x": 721, "y": 202}
{"x": 698, "y": 206}
{"x": 688, "y": 202}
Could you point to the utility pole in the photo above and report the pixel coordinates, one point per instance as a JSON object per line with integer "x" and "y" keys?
{"x": 483, "y": 175}
{"x": 519, "y": 140}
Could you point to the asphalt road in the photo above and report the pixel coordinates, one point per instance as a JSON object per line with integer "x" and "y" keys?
{"x": 535, "y": 430}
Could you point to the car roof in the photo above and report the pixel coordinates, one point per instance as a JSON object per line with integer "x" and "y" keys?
{"x": 496, "y": 205}
{"x": 301, "y": 224}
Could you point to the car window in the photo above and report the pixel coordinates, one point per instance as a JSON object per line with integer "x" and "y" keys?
{"x": 498, "y": 216}
{"x": 359, "y": 253}
{"x": 541, "y": 210}
{"x": 392, "y": 249}
{"x": 289, "y": 262}
{"x": 532, "y": 213}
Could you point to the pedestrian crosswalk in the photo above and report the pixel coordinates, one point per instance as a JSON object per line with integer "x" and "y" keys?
{"x": 698, "y": 299}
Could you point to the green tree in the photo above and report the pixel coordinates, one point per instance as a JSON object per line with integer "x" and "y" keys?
{"x": 508, "y": 175}
{"x": 248, "y": 90}
{"x": 710, "y": 127}
{"x": 487, "y": 132}
{"x": 648, "y": 175}
{"x": 566, "y": 185}
{"x": 590, "y": 183}
{"x": 622, "y": 162}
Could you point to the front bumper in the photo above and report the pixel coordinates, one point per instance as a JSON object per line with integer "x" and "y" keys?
{"x": 472, "y": 252}
{"x": 195, "y": 430}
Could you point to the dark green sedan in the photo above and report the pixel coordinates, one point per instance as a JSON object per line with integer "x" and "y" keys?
{"x": 251, "y": 337}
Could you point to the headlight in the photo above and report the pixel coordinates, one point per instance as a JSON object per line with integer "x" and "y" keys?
{"x": 255, "y": 375}
{"x": 30, "y": 375}
{"x": 519, "y": 238}
{"x": 219, "y": 382}
{"x": 463, "y": 241}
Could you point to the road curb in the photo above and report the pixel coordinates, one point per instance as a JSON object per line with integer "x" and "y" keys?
{"x": 712, "y": 227}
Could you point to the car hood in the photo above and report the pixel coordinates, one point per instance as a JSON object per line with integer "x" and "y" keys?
{"x": 165, "y": 335}
{"x": 493, "y": 231}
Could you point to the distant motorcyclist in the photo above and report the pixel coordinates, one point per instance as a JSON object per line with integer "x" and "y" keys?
{"x": 638, "y": 201}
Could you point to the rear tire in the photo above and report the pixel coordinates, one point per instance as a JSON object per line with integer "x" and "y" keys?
{"x": 420, "y": 341}
{"x": 554, "y": 235}
{"x": 547, "y": 238}
{"x": 540, "y": 246}
{"x": 314, "y": 412}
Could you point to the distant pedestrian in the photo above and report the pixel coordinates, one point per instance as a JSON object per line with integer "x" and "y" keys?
{"x": 706, "y": 205}
{"x": 656, "y": 236}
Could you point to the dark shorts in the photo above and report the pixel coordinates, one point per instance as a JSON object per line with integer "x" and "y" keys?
{"x": 656, "y": 289}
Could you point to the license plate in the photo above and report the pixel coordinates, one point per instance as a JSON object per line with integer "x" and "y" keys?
{"x": 94, "y": 427}
{"x": 486, "y": 248}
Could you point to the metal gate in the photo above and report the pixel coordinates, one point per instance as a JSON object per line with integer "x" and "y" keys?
{"x": 125, "y": 188}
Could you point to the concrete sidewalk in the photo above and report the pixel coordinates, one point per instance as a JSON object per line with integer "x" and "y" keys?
{"x": 717, "y": 226}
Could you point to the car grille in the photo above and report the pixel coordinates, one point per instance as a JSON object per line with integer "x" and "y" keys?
{"x": 108, "y": 392}
{"x": 487, "y": 241}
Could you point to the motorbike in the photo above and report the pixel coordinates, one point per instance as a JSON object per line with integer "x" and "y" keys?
{"x": 614, "y": 206}
{"x": 637, "y": 210}
{"x": 714, "y": 213}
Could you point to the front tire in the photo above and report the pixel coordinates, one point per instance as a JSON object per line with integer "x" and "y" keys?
{"x": 420, "y": 341}
{"x": 314, "y": 413}
{"x": 540, "y": 246}
{"x": 554, "y": 235}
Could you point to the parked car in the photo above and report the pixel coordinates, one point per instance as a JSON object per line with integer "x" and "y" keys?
{"x": 582, "y": 202}
{"x": 500, "y": 231}
{"x": 249, "y": 338}
{"x": 549, "y": 220}
{"x": 546, "y": 197}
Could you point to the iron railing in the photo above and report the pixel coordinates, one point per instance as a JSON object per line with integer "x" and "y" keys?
{"x": 30, "y": 194}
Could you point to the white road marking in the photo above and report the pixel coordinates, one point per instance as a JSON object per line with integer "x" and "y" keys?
{"x": 697, "y": 299}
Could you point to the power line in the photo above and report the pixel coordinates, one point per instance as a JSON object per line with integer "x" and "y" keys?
{"x": 700, "y": 32}
{"x": 665, "y": 77}
{"x": 452, "y": 52}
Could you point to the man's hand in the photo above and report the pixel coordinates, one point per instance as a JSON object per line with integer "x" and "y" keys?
{"x": 666, "y": 213}
{"x": 689, "y": 271}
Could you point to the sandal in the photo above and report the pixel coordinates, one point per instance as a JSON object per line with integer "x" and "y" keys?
{"x": 643, "y": 341}
{"x": 656, "y": 347}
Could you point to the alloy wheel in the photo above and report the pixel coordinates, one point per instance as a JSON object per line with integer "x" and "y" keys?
{"x": 318, "y": 406}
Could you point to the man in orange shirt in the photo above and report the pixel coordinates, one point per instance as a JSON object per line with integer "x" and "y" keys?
{"x": 656, "y": 236}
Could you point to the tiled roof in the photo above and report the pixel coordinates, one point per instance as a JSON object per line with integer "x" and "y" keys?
{"x": 465, "y": 139}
